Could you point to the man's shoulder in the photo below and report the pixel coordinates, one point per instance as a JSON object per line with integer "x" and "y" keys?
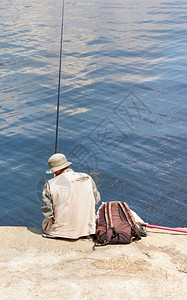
{"x": 50, "y": 181}
{"x": 80, "y": 176}
{"x": 74, "y": 173}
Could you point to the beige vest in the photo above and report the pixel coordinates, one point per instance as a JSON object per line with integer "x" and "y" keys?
{"x": 73, "y": 206}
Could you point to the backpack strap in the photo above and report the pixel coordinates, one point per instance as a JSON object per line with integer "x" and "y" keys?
{"x": 125, "y": 208}
{"x": 109, "y": 223}
{"x": 108, "y": 215}
{"x": 128, "y": 214}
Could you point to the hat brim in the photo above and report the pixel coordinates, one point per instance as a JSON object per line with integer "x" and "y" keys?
{"x": 52, "y": 170}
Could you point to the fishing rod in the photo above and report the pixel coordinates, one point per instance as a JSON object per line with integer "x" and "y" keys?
{"x": 164, "y": 228}
{"x": 59, "y": 77}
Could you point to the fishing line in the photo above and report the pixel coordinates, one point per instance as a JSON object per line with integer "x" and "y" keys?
{"x": 59, "y": 77}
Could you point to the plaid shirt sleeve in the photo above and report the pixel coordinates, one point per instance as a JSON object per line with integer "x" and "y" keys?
{"x": 96, "y": 193}
{"x": 47, "y": 208}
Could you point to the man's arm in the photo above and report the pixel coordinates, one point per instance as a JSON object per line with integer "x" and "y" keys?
{"x": 47, "y": 208}
{"x": 96, "y": 193}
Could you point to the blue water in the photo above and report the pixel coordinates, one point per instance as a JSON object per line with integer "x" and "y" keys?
{"x": 123, "y": 103}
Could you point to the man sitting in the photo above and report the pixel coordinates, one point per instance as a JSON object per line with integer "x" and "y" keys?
{"x": 69, "y": 201}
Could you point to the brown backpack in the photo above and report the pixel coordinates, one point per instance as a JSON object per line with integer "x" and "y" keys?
{"x": 115, "y": 224}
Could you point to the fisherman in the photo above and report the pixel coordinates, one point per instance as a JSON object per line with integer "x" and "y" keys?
{"x": 68, "y": 201}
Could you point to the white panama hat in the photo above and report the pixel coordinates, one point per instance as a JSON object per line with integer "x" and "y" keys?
{"x": 57, "y": 162}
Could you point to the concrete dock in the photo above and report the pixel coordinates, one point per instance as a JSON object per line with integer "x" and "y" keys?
{"x": 33, "y": 267}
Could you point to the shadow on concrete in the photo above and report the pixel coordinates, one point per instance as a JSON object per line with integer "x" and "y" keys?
{"x": 36, "y": 230}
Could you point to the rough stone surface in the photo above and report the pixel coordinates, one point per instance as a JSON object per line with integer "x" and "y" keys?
{"x": 33, "y": 267}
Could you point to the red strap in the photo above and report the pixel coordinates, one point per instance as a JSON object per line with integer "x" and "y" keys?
{"x": 106, "y": 216}
{"x": 130, "y": 219}
{"x": 110, "y": 214}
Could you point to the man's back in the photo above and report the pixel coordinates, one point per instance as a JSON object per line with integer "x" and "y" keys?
{"x": 73, "y": 205}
